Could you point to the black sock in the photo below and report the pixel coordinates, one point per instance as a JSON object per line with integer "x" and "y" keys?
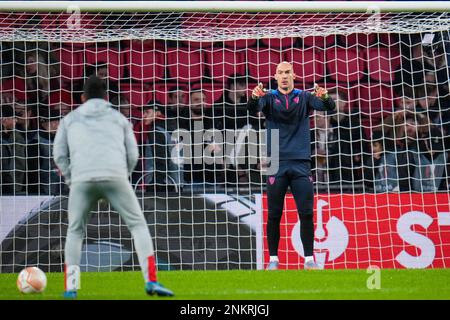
{"x": 307, "y": 234}
{"x": 273, "y": 235}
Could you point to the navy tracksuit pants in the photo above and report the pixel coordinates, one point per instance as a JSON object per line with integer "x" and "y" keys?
{"x": 295, "y": 174}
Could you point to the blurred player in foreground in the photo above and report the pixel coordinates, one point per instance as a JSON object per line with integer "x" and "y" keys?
{"x": 287, "y": 111}
{"x": 96, "y": 150}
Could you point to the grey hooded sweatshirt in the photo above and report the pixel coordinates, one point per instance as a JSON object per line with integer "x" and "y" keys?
{"x": 95, "y": 143}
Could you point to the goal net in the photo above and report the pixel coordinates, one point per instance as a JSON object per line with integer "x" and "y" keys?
{"x": 182, "y": 77}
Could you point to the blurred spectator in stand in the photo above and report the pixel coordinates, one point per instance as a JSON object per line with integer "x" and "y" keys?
{"x": 434, "y": 48}
{"x": 205, "y": 166}
{"x": 408, "y": 132}
{"x": 41, "y": 74}
{"x": 121, "y": 103}
{"x": 13, "y": 162}
{"x": 6, "y": 97}
{"x": 197, "y": 110}
{"x": 416, "y": 109}
{"x": 27, "y": 121}
{"x": 346, "y": 124}
{"x": 324, "y": 147}
{"x": 423, "y": 54}
{"x": 401, "y": 137}
{"x": 161, "y": 171}
{"x": 101, "y": 71}
{"x": 12, "y": 89}
{"x": 175, "y": 108}
{"x": 384, "y": 170}
{"x": 436, "y": 107}
{"x": 51, "y": 181}
{"x": 27, "y": 127}
{"x": 6, "y": 59}
{"x": 62, "y": 101}
{"x": 394, "y": 122}
{"x": 232, "y": 116}
{"x": 430, "y": 161}
{"x": 232, "y": 110}
{"x": 176, "y": 103}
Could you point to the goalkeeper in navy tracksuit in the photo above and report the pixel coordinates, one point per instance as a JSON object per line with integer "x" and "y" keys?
{"x": 287, "y": 110}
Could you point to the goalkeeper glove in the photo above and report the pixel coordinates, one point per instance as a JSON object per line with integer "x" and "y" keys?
{"x": 320, "y": 92}
{"x": 258, "y": 92}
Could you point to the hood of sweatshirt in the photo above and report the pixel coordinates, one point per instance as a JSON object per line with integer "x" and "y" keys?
{"x": 95, "y": 108}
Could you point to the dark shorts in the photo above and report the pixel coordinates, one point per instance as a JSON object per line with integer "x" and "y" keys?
{"x": 296, "y": 175}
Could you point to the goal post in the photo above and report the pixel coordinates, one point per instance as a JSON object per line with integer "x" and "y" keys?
{"x": 227, "y": 6}
{"x": 380, "y": 163}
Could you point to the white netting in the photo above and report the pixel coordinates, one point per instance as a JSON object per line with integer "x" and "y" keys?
{"x": 206, "y": 26}
{"x": 388, "y": 71}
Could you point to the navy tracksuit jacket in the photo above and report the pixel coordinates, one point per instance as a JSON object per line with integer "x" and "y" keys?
{"x": 290, "y": 115}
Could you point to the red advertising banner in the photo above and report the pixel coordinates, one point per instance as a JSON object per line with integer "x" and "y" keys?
{"x": 362, "y": 230}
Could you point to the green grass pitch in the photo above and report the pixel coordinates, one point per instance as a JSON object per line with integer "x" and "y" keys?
{"x": 407, "y": 284}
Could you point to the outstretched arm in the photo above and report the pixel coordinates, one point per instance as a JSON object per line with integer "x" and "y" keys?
{"x": 320, "y": 100}
{"x": 61, "y": 152}
{"x": 256, "y": 104}
{"x": 131, "y": 147}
